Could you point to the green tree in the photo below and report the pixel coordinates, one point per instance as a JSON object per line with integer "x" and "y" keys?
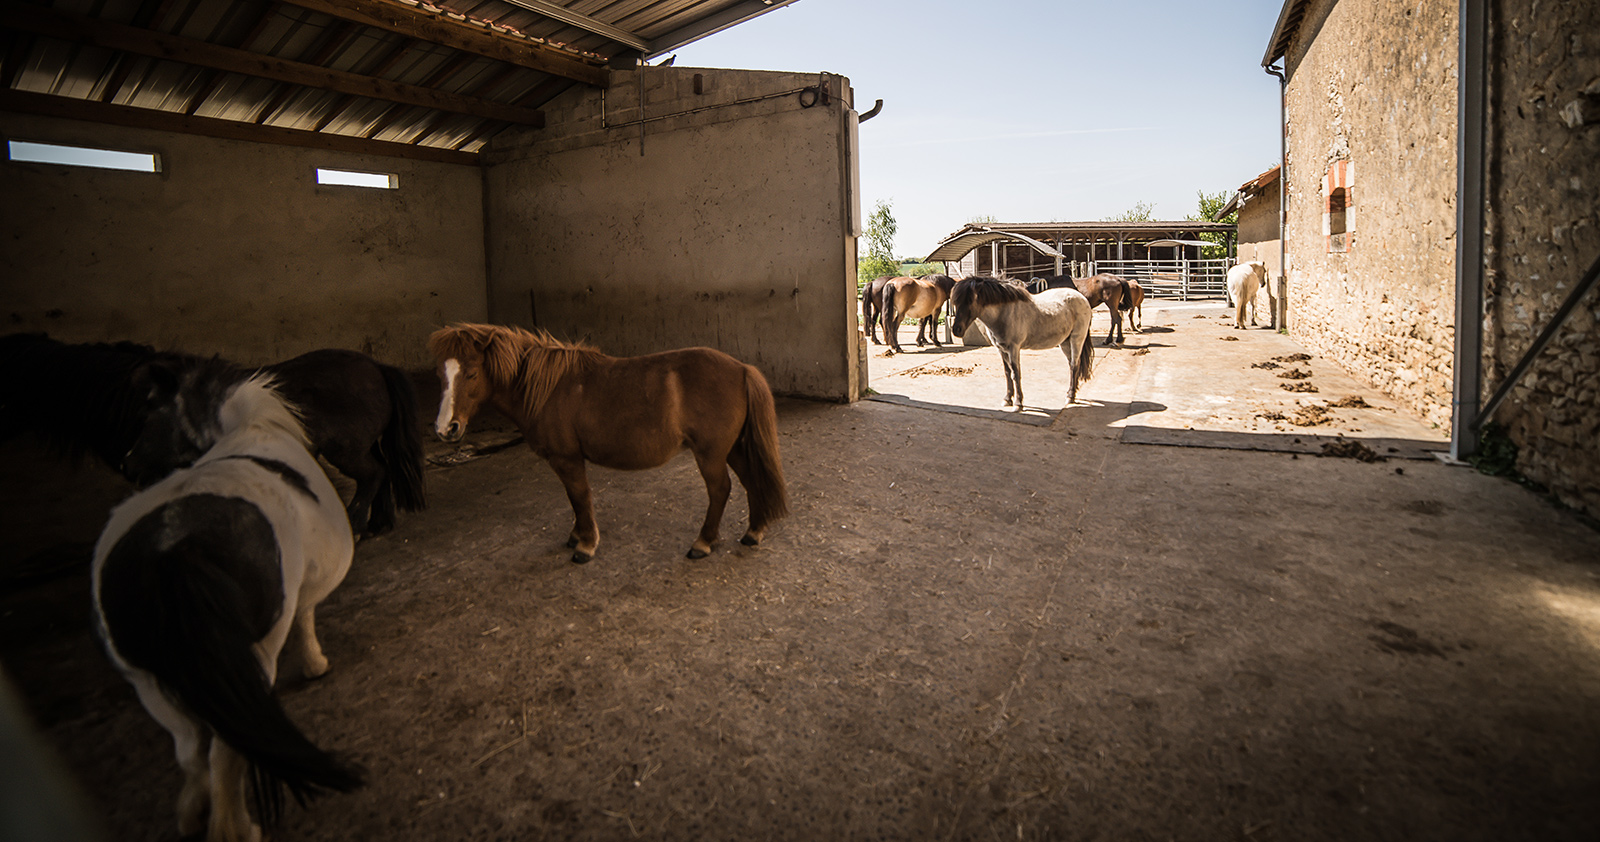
{"x": 880, "y": 259}
{"x": 1140, "y": 212}
{"x": 1208, "y": 206}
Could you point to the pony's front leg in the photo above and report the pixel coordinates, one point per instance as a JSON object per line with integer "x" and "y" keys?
{"x": 1008, "y": 363}
{"x": 585, "y": 537}
{"x": 718, "y": 485}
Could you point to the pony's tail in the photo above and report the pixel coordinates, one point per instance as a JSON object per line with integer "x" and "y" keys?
{"x": 401, "y": 444}
{"x": 1126, "y": 303}
{"x": 1085, "y": 367}
{"x": 185, "y": 621}
{"x": 765, "y": 488}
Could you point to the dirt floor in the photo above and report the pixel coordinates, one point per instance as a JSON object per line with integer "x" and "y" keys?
{"x": 969, "y": 628}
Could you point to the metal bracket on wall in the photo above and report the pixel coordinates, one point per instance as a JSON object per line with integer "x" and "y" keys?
{"x": 1538, "y": 345}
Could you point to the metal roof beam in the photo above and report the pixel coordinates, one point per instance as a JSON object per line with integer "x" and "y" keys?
{"x": 416, "y": 22}
{"x": 710, "y": 25}
{"x": 584, "y": 22}
{"x": 70, "y": 108}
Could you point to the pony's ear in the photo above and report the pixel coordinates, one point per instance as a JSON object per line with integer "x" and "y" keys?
{"x": 159, "y": 379}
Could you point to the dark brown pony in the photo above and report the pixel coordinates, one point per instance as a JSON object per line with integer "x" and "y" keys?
{"x": 872, "y": 303}
{"x": 574, "y": 403}
{"x": 1103, "y": 288}
{"x": 915, "y": 298}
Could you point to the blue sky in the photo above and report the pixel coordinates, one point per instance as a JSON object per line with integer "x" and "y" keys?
{"x": 1032, "y": 110}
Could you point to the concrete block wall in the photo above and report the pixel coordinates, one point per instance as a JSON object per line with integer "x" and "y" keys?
{"x": 727, "y": 221}
{"x": 1544, "y": 233}
{"x": 1384, "y": 310}
{"x": 234, "y": 249}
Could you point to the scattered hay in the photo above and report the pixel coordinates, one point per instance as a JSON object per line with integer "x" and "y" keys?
{"x": 1297, "y": 387}
{"x": 1293, "y": 358}
{"x": 944, "y": 370}
{"x": 1295, "y": 374}
{"x": 1347, "y": 449}
{"x": 1272, "y": 416}
{"x": 1141, "y": 351}
{"x": 1229, "y": 338}
{"x": 1352, "y": 402}
{"x": 1266, "y": 365}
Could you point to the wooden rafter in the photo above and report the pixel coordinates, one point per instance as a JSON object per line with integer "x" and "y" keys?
{"x": 81, "y": 29}
{"x": 419, "y": 23}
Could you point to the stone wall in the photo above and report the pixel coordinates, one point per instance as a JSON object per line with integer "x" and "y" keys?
{"x": 1258, "y": 229}
{"x": 1384, "y": 120}
{"x": 1544, "y": 233}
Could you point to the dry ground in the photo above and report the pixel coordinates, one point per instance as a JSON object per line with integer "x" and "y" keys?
{"x": 967, "y": 629}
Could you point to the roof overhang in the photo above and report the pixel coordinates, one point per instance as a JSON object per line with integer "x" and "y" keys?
{"x": 1179, "y": 243}
{"x": 960, "y": 245}
{"x": 1289, "y": 18}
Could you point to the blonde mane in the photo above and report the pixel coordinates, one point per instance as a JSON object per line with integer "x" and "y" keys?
{"x": 526, "y": 363}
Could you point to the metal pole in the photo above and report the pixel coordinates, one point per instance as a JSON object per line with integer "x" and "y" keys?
{"x": 1471, "y": 99}
{"x": 1282, "y": 280}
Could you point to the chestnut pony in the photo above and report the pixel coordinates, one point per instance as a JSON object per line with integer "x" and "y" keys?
{"x": 574, "y": 403}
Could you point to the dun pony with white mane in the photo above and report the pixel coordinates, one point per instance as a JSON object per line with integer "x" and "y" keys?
{"x": 575, "y": 404}
{"x": 201, "y": 579}
{"x": 1017, "y": 320}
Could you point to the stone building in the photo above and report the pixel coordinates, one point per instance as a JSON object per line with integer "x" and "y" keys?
{"x": 1258, "y": 206}
{"x": 1374, "y": 147}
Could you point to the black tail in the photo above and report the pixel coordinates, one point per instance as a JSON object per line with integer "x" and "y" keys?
{"x": 400, "y": 449}
{"x": 189, "y": 622}
{"x": 1126, "y": 302}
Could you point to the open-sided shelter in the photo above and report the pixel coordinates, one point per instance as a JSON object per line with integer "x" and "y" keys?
{"x": 523, "y": 163}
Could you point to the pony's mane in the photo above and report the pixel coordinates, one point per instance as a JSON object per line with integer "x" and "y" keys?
{"x": 527, "y": 363}
{"x": 256, "y": 403}
{"x": 983, "y": 290}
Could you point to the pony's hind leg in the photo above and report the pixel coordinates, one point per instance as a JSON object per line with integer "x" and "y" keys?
{"x": 585, "y": 537}
{"x": 718, "y": 486}
{"x": 230, "y": 817}
{"x": 188, "y": 741}
{"x": 313, "y": 664}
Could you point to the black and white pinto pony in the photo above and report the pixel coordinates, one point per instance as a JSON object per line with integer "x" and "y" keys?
{"x": 361, "y": 415}
{"x": 200, "y": 581}
{"x": 1016, "y": 320}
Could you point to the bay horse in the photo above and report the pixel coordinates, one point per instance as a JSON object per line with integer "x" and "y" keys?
{"x": 1016, "y": 319}
{"x": 575, "y": 404}
{"x": 361, "y": 414}
{"x": 872, "y": 304}
{"x": 1133, "y": 304}
{"x": 1104, "y": 288}
{"x": 200, "y": 581}
{"x": 915, "y": 298}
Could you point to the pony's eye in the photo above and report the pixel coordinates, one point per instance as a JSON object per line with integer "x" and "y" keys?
{"x": 472, "y": 375}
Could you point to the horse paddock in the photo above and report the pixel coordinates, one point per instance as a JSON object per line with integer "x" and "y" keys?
{"x": 967, "y": 628}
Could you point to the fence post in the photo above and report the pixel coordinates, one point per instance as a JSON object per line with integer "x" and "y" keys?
{"x": 1186, "y": 279}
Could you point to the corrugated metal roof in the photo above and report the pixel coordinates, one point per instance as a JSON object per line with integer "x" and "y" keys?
{"x": 431, "y": 79}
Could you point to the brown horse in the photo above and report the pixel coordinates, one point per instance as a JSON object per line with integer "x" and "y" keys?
{"x": 574, "y": 403}
{"x": 1103, "y": 288}
{"x": 1133, "y": 304}
{"x": 871, "y": 303}
{"x": 915, "y": 298}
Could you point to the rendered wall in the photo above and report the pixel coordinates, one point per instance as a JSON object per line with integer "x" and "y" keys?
{"x": 234, "y": 248}
{"x": 729, "y": 227}
{"x": 1372, "y": 84}
{"x": 1258, "y": 230}
{"x": 1543, "y": 234}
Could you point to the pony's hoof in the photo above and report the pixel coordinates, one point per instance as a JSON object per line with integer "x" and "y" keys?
{"x": 697, "y": 553}
{"x": 750, "y": 541}
{"x": 581, "y": 557}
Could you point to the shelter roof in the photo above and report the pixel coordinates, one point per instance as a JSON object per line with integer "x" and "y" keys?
{"x": 432, "y": 80}
{"x": 1039, "y": 234}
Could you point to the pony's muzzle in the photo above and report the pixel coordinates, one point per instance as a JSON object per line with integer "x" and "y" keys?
{"x": 452, "y": 432}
